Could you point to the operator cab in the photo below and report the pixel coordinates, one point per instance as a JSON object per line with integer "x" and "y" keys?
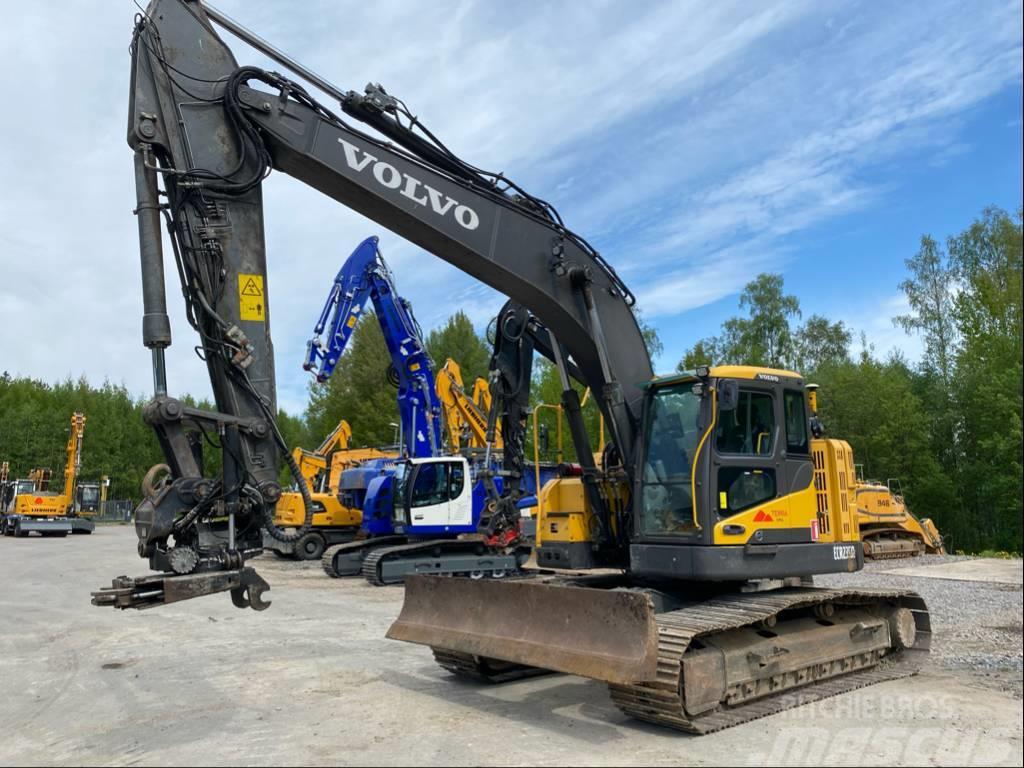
{"x": 433, "y": 495}
{"x": 87, "y": 498}
{"x": 726, "y": 466}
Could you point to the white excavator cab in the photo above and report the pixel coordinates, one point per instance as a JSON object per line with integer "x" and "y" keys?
{"x": 433, "y": 492}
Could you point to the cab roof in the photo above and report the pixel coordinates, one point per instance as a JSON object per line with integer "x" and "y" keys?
{"x": 729, "y": 372}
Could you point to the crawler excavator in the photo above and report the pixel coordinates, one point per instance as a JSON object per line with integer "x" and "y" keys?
{"x": 888, "y": 528}
{"x": 702, "y": 524}
{"x": 333, "y": 523}
{"x": 37, "y": 509}
{"x": 436, "y": 532}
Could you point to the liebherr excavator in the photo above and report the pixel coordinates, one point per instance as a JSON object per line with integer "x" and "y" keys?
{"x": 37, "y": 509}
{"x": 465, "y": 415}
{"x": 707, "y": 510}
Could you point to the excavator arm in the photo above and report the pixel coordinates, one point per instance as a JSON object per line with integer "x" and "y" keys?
{"x": 73, "y": 463}
{"x": 206, "y": 133}
{"x": 465, "y": 412}
{"x": 362, "y": 279}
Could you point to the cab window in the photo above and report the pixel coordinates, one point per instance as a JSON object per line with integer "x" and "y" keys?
{"x": 748, "y": 429}
{"x": 796, "y": 422}
{"x": 456, "y": 480}
{"x": 743, "y": 488}
{"x": 431, "y": 485}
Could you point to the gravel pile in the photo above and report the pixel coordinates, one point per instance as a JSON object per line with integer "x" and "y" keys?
{"x": 976, "y": 626}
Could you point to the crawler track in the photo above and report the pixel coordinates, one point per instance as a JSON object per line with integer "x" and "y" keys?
{"x": 662, "y": 702}
{"x": 483, "y": 669}
{"x": 328, "y": 560}
{"x": 892, "y": 545}
{"x": 441, "y": 557}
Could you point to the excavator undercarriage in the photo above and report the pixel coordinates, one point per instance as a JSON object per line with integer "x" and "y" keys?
{"x": 696, "y": 664}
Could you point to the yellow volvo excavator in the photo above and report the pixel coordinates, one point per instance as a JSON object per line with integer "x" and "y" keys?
{"x": 333, "y": 522}
{"x": 699, "y": 529}
{"x": 690, "y": 635}
{"x": 37, "y": 509}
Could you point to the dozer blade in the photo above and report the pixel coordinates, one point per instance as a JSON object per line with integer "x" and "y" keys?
{"x": 608, "y": 635}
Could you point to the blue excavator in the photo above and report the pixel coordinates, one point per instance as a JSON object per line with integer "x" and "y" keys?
{"x": 421, "y": 511}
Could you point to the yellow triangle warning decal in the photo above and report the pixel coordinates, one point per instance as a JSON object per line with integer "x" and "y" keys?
{"x": 251, "y": 288}
{"x": 251, "y": 304}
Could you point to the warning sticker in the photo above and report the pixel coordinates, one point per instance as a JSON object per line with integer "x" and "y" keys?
{"x": 251, "y": 299}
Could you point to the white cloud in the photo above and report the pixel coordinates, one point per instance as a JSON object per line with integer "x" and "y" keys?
{"x": 875, "y": 321}
{"x": 689, "y": 138}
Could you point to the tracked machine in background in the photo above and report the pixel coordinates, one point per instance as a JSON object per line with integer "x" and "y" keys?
{"x": 888, "y": 528}
{"x": 419, "y": 511}
{"x": 34, "y": 508}
{"x": 703, "y": 521}
{"x": 333, "y": 522}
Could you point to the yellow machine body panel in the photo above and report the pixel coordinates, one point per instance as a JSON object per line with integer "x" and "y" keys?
{"x": 562, "y": 512}
{"x": 41, "y": 504}
{"x": 889, "y": 529}
{"x": 877, "y": 504}
{"x": 749, "y": 372}
{"x": 835, "y": 483}
{"x": 794, "y": 510}
{"x": 330, "y": 512}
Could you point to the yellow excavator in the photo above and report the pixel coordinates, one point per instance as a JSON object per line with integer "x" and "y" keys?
{"x": 36, "y": 509}
{"x": 699, "y": 530}
{"x": 888, "y": 528}
{"x": 738, "y": 501}
{"x": 465, "y": 416}
{"x": 333, "y": 523}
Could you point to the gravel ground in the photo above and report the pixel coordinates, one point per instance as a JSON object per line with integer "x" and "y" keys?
{"x": 976, "y": 626}
{"x": 312, "y": 681}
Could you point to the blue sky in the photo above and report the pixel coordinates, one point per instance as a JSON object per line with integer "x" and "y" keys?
{"x": 695, "y": 144}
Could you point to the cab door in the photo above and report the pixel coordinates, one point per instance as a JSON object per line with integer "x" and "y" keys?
{"x": 441, "y": 493}
{"x": 460, "y": 494}
{"x": 746, "y": 443}
{"x": 428, "y": 494}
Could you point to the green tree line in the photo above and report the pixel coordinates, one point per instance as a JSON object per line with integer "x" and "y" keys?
{"x": 948, "y": 426}
{"x": 35, "y": 422}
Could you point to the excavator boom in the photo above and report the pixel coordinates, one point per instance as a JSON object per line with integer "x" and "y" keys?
{"x": 465, "y": 414}
{"x": 206, "y": 133}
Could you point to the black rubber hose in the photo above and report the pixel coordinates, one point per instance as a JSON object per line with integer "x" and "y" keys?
{"x": 307, "y": 502}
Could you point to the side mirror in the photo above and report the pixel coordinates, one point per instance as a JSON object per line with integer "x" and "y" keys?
{"x": 728, "y": 394}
